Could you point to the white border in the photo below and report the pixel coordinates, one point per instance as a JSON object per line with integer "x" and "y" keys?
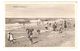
{"x": 40, "y": 2}
{"x": 2, "y": 33}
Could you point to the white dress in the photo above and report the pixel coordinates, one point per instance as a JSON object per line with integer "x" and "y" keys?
{"x": 11, "y": 37}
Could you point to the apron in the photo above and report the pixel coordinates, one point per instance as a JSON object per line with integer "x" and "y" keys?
{"x": 11, "y": 37}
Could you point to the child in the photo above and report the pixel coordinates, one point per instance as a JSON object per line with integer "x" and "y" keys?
{"x": 30, "y": 33}
{"x": 11, "y": 38}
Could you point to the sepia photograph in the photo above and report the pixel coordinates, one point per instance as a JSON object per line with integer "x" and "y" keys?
{"x": 40, "y": 25}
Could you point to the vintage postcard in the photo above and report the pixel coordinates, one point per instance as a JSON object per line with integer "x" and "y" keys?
{"x": 40, "y": 24}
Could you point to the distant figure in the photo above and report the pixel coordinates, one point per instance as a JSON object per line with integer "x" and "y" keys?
{"x": 54, "y": 26}
{"x": 30, "y": 33}
{"x": 46, "y": 26}
{"x": 60, "y": 29}
{"x": 65, "y": 24}
{"x": 38, "y": 31}
{"x": 11, "y": 37}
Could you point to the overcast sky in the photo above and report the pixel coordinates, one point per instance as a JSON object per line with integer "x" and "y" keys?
{"x": 39, "y": 10}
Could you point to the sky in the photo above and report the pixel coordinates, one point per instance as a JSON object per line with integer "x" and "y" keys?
{"x": 40, "y": 10}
